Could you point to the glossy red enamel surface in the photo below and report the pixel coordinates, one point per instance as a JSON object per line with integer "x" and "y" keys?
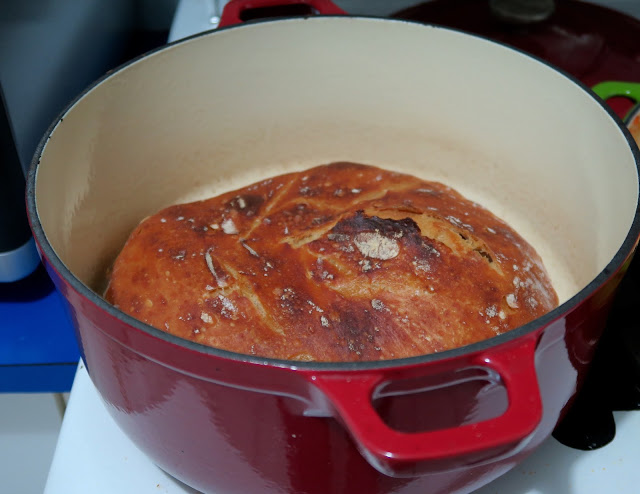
{"x": 228, "y": 426}
{"x": 233, "y": 11}
{"x": 397, "y": 453}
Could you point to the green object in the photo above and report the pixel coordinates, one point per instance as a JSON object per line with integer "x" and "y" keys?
{"x": 610, "y": 89}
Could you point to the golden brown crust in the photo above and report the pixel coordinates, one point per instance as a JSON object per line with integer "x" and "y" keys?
{"x": 341, "y": 262}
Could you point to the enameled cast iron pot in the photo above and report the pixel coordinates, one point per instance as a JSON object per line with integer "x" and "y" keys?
{"x": 233, "y": 106}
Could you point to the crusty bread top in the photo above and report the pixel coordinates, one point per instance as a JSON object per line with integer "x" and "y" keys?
{"x": 341, "y": 262}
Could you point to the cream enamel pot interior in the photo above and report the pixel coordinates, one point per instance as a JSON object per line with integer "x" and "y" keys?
{"x": 240, "y": 104}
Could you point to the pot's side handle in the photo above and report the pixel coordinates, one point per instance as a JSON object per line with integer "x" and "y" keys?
{"x": 610, "y": 89}
{"x": 400, "y": 454}
{"x": 232, "y": 12}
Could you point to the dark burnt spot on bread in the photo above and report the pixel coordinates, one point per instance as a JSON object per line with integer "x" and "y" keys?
{"x": 340, "y": 262}
{"x": 360, "y": 222}
{"x": 355, "y": 330}
{"x": 200, "y": 229}
{"x": 246, "y": 204}
{"x": 484, "y": 254}
{"x": 348, "y": 167}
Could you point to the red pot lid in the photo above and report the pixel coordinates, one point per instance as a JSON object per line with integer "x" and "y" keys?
{"x": 590, "y": 42}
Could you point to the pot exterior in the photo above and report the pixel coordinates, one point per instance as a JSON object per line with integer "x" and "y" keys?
{"x": 228, "y": 435}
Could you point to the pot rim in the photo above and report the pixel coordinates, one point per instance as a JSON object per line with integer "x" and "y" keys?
{"x": 624, "y": 252}
{"x": 632, "y": 114}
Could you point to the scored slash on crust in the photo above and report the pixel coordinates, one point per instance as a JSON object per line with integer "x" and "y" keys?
{"x": 207, "y": 257}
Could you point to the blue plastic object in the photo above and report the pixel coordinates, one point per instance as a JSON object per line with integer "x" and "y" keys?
{"x": 38, "y": 347}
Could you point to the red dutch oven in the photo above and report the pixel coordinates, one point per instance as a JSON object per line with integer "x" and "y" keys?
{"x": 242, "y": 103}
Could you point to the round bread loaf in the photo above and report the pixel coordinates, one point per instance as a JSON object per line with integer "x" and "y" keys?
{"x": 341, "y": 262}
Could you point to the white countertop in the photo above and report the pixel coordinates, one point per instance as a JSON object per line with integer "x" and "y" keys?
{"x": 93, "y": 455}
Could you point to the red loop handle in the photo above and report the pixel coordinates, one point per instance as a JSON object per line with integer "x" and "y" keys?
{"x": 232, "y": 12}
{"x": 401, "y": 454}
